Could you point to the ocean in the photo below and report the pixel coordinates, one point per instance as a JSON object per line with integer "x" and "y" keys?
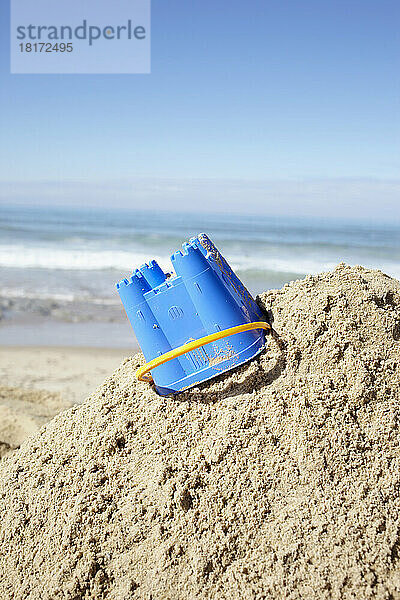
{"x": 62, "y": 264}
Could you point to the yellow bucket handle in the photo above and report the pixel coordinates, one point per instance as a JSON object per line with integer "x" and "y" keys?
{"x": 189, "y": 346}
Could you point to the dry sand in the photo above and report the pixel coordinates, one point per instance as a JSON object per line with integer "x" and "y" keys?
{"x": 37, "y": 383}
{"x": 278, "y": 481}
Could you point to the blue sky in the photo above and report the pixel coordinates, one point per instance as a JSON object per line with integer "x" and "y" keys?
{"x": 296, "y": 99}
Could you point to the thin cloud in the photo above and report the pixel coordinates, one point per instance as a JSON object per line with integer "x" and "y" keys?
{"x": 347, "y": 198}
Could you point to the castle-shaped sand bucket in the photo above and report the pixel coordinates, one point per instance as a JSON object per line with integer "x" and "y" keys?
{"x": 192, "y": 324}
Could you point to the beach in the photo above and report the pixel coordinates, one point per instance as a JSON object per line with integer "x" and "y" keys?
{"x": 199, "y": 301}
{"x": 278, "y": 479}
{"x": 62, "y": 325}
{"x": 39, "y": 382}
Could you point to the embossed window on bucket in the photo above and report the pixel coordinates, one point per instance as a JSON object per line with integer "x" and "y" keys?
{"x": 175, "y": 312}
{"x": 198, "y": 358}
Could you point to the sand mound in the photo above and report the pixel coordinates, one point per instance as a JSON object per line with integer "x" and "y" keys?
{"x": 280, "y": 480}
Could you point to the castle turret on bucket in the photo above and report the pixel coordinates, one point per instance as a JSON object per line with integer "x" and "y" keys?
{"x": 196, "y": 324}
